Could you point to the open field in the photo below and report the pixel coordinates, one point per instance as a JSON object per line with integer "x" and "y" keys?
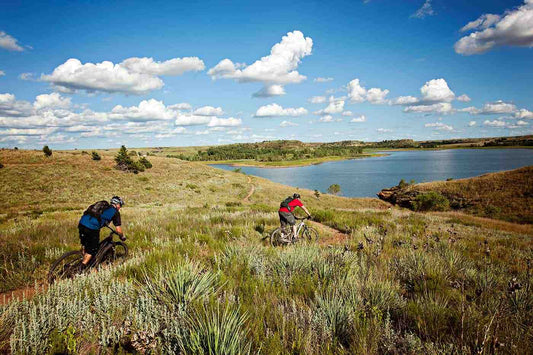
{"x": 200, "y": 280}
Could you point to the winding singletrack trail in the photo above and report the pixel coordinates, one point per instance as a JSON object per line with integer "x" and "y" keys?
{"x": 335, "y": 237}
{"x": 251, "y": 192}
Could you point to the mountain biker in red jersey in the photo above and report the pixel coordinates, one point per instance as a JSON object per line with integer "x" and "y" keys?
{"x": 286, "y": 216}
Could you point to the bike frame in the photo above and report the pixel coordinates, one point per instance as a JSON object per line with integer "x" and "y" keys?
{"x": 299, "y": 227}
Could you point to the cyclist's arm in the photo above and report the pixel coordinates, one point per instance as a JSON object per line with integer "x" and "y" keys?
{"x": 306, "y": 211}
{"x": 119, "y": 230}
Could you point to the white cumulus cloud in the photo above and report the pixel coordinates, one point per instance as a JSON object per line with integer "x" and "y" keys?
{"x": 132, "y": 76}
{"x": 288, "y": 124}
{"x": 357, "y": 93}
{"x": 464, "y": 98}
{"x": 359, "y": 119}
{"x": 171, "y": 67}
{"x": 513, "y": 28}
{"x": 439, "y": 126}
{"x": 274, "y": 110}
{"x": 274, "y": 70}
{"x": 524, "y": 114}
{"x": 224, "y": 122}
{"x": 208, "y": 111}
{"x": 147, "y": 110}
{"x": 9, "y": 42}
{"x": 53, "y": 100}
{"x": 491, "y": 108}
{"x": 322, "y": 80}
{"x": 317, "y": 99}
{"x": 495, "y": 123}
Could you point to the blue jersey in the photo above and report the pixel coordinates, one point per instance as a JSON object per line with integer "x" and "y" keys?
{"x": 109, "y": 214}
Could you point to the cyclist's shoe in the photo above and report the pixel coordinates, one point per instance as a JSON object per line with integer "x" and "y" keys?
{"x": 285, "y": 238}
{"x": 81, "y": 267}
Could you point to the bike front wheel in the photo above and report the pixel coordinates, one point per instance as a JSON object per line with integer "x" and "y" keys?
{"x": 112, "y": 253}
{"x": 66, "y": 266}
{"x": 310, "y": 234}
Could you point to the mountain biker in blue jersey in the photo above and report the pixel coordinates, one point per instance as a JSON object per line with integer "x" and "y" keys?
{"x": 90, "y": 225}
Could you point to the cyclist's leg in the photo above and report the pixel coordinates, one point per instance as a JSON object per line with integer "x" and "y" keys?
{"x": 89, "y": 239}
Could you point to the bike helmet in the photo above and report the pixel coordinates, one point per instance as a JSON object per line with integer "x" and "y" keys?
{"x": 296, "y": 196}
{"x": 115, "y": 200}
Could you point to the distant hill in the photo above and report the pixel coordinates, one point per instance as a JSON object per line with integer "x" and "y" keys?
{"x": 506, "y": 195}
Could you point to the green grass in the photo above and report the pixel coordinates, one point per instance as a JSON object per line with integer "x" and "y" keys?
{"x": 200, "y": 280}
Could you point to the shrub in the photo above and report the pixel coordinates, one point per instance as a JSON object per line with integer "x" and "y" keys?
{"x": 431, "y": 201}
{"x": 47, "y": 151}
{"x": 213, "y": 330}
{"x": 1, "y": 165}
{"x": 145, "y": 162}
{"x": 96, "y": 156}
{"x": 334, "y": 189}
{"x": 84, "y": 152}
{"x": 125, "y": 163}
{"x": 317, "y": 194}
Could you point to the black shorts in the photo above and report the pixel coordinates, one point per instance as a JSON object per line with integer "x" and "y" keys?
{"x": 89, "y": 238}
{"x": 286, "y": 219}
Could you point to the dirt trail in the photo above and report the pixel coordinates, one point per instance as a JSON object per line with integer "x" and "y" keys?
{"x": 337, "y": 237}
{"x": 20, "y": 294}
{"x": 252, "y": 190}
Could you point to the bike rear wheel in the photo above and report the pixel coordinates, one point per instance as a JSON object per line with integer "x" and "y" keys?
{"x": 276, "y": 238}
{"x": 66, "y": 266}
{"x": 310, "y": 234}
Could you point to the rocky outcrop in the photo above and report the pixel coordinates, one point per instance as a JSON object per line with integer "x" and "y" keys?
{"x": 398, "y": 196}
{"x": 404, "y": 197}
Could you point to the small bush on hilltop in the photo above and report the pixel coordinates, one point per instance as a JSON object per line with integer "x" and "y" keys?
{"x": 96, "y": 156}
{"x": 125, "y": 163}
{"x": 334, "y": 189}
{"x": 145, "y": 162}
{"x": 1, "y": 165}
{"x": 431, "y": 201}
{"x": 47, "y": 151}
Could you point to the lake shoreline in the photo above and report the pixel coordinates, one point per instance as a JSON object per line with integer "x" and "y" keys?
{"x": 289, "y": 163}
{"x": 366, "y": 177}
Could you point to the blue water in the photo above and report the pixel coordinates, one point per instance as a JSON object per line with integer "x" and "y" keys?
{"x": 366, "y": 177}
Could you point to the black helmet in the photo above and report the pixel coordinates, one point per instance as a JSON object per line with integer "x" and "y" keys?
{"x": 115, "y": 200}
{"x": 296, "y": 196}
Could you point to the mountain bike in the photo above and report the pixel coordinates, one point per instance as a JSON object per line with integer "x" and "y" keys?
{"x": 69, "y": 264}
{"x": 283, "y": 236}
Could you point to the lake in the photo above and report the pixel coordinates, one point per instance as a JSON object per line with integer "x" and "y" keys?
{"x": 366, "y": 177}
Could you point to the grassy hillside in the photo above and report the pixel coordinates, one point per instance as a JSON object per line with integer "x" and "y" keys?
{"x": 504, "y": 195}
{"x": 380, "y": 280}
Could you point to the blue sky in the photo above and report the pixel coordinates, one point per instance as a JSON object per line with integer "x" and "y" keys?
{"x": 100, "y": 74}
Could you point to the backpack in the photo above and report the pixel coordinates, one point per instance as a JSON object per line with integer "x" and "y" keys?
{"x": 285, "y": 203}
{"x": 96, "y": 209}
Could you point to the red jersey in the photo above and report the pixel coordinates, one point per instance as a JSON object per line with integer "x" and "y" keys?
{"x": 293, "y": 204}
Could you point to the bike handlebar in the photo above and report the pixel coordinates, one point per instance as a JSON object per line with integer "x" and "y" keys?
{"x": 112, "y": 230}
{"x": 301, "y": 218}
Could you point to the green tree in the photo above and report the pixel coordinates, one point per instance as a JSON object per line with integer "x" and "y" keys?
{"x": 96, "y": 156}
{"x": 47, "y": 151}
{"x": 317, "y": 194}
{"x": 334, "y": 189}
